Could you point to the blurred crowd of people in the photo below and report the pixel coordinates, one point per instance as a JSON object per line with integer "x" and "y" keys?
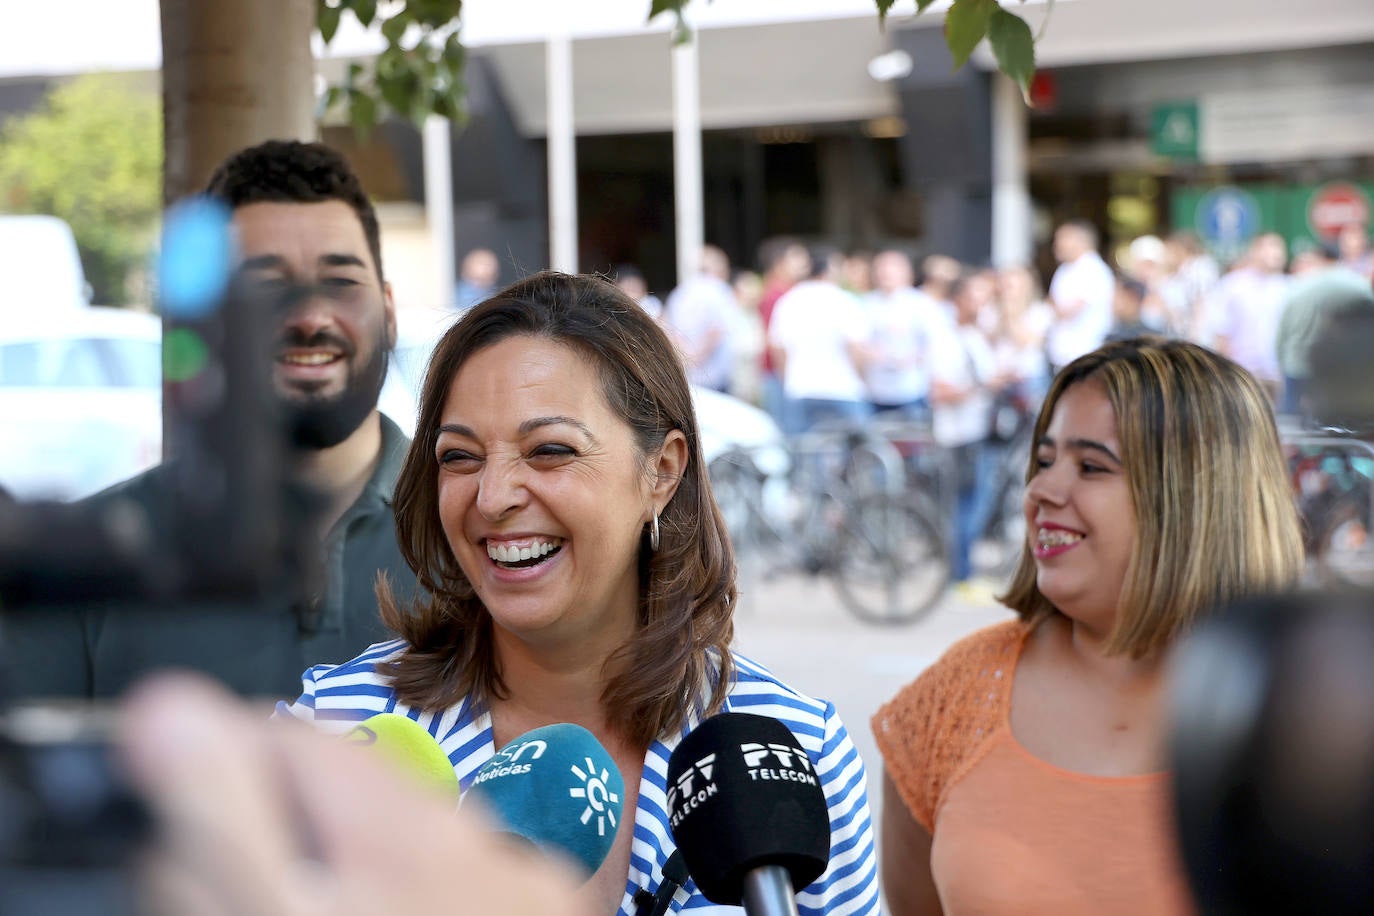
{"x": 819, "y": 335}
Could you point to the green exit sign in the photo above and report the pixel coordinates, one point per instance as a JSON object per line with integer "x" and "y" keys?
{"x": 1174, "y": 130}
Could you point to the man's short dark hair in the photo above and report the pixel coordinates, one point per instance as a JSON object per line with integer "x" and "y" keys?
{"x": 772, "y": 250}
{"x": 823, "y": 256}
{"x": 289, "y": 171}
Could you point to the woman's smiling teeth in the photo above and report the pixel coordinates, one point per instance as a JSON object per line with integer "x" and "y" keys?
{"x": 526, "y": 553}
{"x": 1057, "y": 537}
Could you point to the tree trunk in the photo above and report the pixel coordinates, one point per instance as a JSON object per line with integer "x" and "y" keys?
{"x": 234, "y": 73}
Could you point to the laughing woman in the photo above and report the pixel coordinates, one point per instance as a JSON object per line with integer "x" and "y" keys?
{"x": 555, "y": 509}
{"x": 1024, "y": 770}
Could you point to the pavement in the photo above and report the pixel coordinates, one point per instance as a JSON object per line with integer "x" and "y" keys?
{"x": 795, "y": 626}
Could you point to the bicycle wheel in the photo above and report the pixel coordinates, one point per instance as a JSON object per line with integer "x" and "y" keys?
{"x": 1006, "y": 534}
{"x": 736, "y": 484}
{"x": 888, "y": 562}
{"x": 872, "y": 467}
{"x": 1345, "y": 554}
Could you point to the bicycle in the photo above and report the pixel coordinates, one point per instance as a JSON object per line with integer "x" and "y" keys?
{"x": 1005, "y": 531}
{"x": 1332, "y": 472}
{"x": 932, "y": 476}
{"x": 840, "y": 510}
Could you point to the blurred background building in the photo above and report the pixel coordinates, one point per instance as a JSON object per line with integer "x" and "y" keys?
{"x": 1227, "y": 117}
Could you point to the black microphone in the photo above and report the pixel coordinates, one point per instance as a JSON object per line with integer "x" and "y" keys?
{"x": 660, "y": 902}
{"x": 748, "y": 813}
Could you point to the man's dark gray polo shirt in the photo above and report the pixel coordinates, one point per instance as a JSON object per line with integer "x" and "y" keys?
{"x": 258, "y": 650}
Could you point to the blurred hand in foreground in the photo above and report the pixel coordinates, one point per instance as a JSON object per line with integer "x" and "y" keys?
{"x": 260, "y": 818}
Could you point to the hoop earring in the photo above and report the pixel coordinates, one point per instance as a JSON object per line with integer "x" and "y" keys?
{"x": 653, "y": 534}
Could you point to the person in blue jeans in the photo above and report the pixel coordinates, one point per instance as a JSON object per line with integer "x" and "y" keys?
{"x": 963, "y": 371}
{"x": 976, "y": 473}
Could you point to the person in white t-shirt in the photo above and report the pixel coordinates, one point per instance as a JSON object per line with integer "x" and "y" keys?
{"x": 1247, "y": 306}
{"x": 963, "y": 371}
{"x": 818, "y": 338}
{"x": 1194, "y": 273}
{"x": 1081, "y": 293}
{"x": 1019, "y": 341}
{"x": 700, "y": 313}
{"x": 903, "y": 323}
{"x": 938, "y": 273}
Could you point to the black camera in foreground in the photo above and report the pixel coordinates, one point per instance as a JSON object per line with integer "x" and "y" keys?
{"x": 232, "y": 528}
{"x": 1273, "y": 755}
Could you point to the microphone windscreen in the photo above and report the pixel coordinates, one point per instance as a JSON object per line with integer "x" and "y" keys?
{"x": 412, "y": 750}
{"x": 743, "y": 794}
{"x": 559, "y": 788}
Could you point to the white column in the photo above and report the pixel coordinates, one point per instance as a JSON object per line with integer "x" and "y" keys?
{"x": 562, "y": 154}
{"x": 687, "y": 181}
{"x": 1011, "y": 203}
{"x": 438, "y": 156}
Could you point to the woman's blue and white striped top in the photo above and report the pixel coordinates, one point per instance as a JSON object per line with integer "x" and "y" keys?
{"x": 337, "y": 696}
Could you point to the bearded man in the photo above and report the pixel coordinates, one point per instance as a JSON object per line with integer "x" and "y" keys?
{"x": 307, "y": 237}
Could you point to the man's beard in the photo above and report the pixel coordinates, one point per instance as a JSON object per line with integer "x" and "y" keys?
{"x": 315, "y": 422}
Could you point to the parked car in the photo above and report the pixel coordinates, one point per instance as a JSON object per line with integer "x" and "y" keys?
{"x": 80, "y": 400}
{"x": 40, "y": 263}
{"x": 725, "y": 421}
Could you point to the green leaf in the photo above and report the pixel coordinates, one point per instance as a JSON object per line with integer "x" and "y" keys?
{"x": 450, "y": 106}
{"x": 965, "y": 25}
{"x": 659, "y": 7}
{"x": 883, "y": 7}
{"x": 426, "y": 67}
{"x": 922, "y": 4}
{"x": 394, "y": 89}
{"x": 351, "y": 77}
{"x": 391, "y": 61}
{"x": 434, "y": 14}
{"x": 424, "y": 104}
{"x": 454, "y": 54}
{"x": 1014, "y": 48}
{"x": 365, "y": 10}
{"x": 327, "y": 20}
{"x": 682, "y": 32}
{"x": 394, "y": 28}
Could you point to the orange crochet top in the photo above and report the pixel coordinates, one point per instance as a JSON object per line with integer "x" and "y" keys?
{"x": 1010, "y": 832}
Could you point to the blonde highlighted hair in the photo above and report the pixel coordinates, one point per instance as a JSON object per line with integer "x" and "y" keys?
{"x": 1215, "y": 514}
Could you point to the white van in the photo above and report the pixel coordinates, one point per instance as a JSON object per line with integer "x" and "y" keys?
{"x": 82, "y": 396}
{"x": 41, "y": 266}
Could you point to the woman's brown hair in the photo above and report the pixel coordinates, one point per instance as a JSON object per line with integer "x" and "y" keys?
{"x": 1216, "y": 517}
{"x": 687, "y": 590}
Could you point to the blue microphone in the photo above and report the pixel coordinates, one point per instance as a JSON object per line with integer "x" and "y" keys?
{"x": 557, "y": 787}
